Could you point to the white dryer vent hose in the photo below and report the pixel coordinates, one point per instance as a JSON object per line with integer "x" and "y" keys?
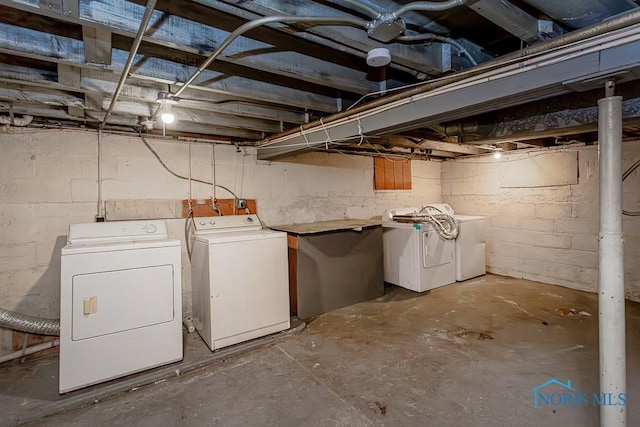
{"x": 446, "y": 225}
{"x": 17, "y": 121}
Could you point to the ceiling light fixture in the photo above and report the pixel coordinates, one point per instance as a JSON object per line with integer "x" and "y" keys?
{"x": 378, "y": 57}
{"x": 497, "y": 155}
{"x": 166, "y": 101}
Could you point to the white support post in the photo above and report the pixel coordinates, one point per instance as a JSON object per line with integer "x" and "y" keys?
{"x": 610, "y": 261}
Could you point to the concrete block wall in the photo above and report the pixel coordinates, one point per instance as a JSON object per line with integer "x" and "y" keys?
{"x": 548, "y": 234}
{"x": 48, "y": 181}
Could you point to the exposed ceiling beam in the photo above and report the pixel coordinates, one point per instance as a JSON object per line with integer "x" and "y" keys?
{"x": 189, "y": 115}
{"x": 425, "y": 58}
{"x": 419, "y": 143}
{"x": 70, "y": 76}
{"x": 145, "y": 92}
{"x": 515, "y": 20}
{"x": 513, "y": 84}
{"x": 58, "y": 49}
{"x": 94, "y": 118}
{"x": 173, "y": 31}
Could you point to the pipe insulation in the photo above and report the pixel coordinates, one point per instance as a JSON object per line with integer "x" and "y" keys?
{"x": 611, "y": 310}
{"x": 29, "y": 324}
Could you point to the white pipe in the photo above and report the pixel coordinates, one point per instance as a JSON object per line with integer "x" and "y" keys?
{"x": 610, "y": 260}
{"x": 29, "y": 350}
{"x": 151, "y": 4}
{"x": 100, "y": 207}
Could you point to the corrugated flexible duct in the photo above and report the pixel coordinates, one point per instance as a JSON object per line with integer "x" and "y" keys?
{"x": 29, "y": 324}
{"x": 16, "y": 121}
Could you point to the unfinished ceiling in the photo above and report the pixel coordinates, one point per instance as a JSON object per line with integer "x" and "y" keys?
{"x": 290, "y": 76}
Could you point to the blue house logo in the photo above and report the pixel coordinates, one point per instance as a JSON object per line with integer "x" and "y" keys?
{"x": 538, "y": 396}
{"x": 569, "y": 396}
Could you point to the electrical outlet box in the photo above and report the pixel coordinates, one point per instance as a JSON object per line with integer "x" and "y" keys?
{"x": 241, "y": 203}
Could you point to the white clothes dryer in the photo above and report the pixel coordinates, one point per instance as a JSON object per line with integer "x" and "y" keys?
{"x": 415, "y": 256}
{"x": 120, "y": 301}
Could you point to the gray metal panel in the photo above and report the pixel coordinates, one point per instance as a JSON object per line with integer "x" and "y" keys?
{"x": 97, "y": 45}
{"x": 339, "y": 268}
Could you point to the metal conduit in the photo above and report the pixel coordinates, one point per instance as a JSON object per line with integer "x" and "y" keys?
{"x": 429, "y": 6}
{"x": 322, "y": 20}
{"x": 441, "y": 39}
{"x": 284, "y": 19}
{"x": 151, "y": 4}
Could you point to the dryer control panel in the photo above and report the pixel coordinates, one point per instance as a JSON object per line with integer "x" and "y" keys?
{"x": 116, "y": 231}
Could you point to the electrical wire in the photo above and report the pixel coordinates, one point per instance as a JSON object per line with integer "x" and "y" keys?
{"x": 164, "y": 165}
{"x": 628, "y": 172}
{"x": 187, "y": 233}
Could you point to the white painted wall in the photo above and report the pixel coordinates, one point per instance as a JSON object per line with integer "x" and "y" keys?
{"x": 548, "y": 234}
{"x": 48, "y": 180}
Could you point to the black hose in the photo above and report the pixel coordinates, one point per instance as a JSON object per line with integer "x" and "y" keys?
{"x": 624, "y": 176}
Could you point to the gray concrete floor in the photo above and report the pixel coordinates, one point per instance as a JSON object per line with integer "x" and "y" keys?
{"x": 467, "y": 354}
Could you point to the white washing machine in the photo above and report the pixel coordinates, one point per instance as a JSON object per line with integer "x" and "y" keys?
{"x": 239, "y": 276}
{"x": 120, "y": 301}
{"x": 471, "y": 247}
{"x": 415, "y": 256}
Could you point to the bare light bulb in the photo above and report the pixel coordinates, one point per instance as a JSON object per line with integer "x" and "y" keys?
{"x": 166, "y": 100}
{"x": 497, "y": 155}
{"x": 167, "y": 117}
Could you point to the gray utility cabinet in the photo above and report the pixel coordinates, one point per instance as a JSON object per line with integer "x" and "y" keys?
{"x": 333, "y": 264}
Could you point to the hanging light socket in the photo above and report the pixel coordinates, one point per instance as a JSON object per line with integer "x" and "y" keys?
{"x": 165, "y": 98}
{"x": 166, "y": 101}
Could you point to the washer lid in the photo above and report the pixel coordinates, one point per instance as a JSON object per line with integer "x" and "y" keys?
{"x": 239, "y": 236}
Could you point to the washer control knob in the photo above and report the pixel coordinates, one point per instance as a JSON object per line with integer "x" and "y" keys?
{"x": 249, "y": 220}
{"x": 212, "y": 222}
{"x": 150, "y": 228}
{"x": 202, "y": 223}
